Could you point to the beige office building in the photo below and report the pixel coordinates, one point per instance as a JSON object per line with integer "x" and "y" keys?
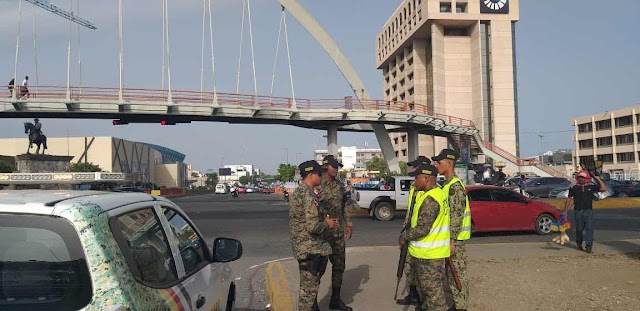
{"x": 612, "y": 137}
{"x": 457, "y": 58}
{"x": 142, "y": 162}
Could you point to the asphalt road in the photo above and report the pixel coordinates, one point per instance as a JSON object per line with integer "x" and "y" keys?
{"x": 260, "y": 221}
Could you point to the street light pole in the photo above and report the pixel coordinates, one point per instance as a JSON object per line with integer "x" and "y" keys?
{"x": 541, "y": 149}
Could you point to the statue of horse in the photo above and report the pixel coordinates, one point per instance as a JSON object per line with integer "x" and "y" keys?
{"x": 35, "y": 138}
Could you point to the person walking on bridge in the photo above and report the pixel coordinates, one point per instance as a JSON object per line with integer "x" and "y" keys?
{"x": 307, "y": 231}
{"x": 332, "y": 198}
{"x": 11, "y": 85}
{"x": 413, "y": 297}
{"x": 460, "y": 226}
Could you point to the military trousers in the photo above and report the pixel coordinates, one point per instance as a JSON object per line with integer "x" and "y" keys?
{"x": 461, "y": 297}
{"x": 433, "y": 286}
{"x": 309, "y": 283}
{"x": 409, "y": 272}
{"x": 337, "y": 259}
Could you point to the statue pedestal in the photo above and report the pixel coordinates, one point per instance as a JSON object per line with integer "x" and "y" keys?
{"x": 42, "y": 163}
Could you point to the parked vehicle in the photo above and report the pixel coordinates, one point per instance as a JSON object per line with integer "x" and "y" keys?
{"x": 242, "y": 189}
{"x": 625, "y": 188}
{"x": 267, "y": 190}
{"x": 89, "y": 250}
{"x": 499, "y": 209}
{"x": 127, "y": 189}
{"x": 540, "y": 187}
{"x": 382, "y": 204}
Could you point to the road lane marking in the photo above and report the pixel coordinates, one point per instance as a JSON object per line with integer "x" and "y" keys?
{"x": 278, "y": 287}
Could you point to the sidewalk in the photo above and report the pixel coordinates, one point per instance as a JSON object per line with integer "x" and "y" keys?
{"x": 370, "y": 277}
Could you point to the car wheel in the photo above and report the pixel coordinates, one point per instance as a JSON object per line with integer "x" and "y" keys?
{"x": 543, "y": 224}
{"x": 384, "y": 211}
{"x": 622, "y": 195}
{"x": 231, "y": 299}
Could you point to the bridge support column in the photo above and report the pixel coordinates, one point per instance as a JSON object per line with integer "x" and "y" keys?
{"x": 413, "y": 144}
{"x": 332, "y": 140}
{"x": 387, "y": 148}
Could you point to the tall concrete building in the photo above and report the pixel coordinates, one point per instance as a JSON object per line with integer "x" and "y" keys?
{"x": 457, "y": 58}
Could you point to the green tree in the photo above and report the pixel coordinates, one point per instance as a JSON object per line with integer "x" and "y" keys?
{"x": 85, "y": 167}
{"x": 244, "y": 180}
{"x": 6, "y": 167}
{"x": 403, "y": 167}
{"x": 286, "y": 172}
{"x": 212, "y": 179}
{"x": 377, "y": 164}
{"x": 342, "y": 175}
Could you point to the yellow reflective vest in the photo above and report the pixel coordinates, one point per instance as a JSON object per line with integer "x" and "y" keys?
{"x": 465, "y": 230}
{"x": 435, "y": 244}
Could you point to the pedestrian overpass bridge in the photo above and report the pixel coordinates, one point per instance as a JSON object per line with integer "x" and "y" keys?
{"x": 136, "y": 105}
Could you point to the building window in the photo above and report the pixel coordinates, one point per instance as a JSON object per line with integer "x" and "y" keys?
{"x": 396, "y": 153}
{"x": 395, "y": 141}
{"x": 625, "y": 157}
{"x": 457, "y": 32}
{"x": 404, "y": 138}
{"x": 624, "y": 121}
{"x": 404, "y": 152}
{"x": 461, "y": 8}
{"x": 411, "y": 92}
{"x": 410, "y": 77}
{"x": 606, "y": 158}
{"x": 603, "y": 125}
{"x": 584, "y": 159}
{"x": 604, "y": 141}
{"x": 585, "y": 127}
{"x": 445, "y": 7}
{"x": 586, "y": 143}
{"x": 625, "y": 139}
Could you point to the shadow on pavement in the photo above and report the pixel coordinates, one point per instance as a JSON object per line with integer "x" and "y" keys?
{"x": 352, "y": 284}
{"x": 631, "y": 250}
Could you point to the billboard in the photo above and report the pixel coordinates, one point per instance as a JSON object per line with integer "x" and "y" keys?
{"x": 223, "y": 171}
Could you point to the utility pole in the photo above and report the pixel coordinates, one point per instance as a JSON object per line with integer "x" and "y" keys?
{"x": 541, "y": 148}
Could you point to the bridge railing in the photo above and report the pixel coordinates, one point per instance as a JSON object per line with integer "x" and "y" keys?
{"x": 89, "y": 93}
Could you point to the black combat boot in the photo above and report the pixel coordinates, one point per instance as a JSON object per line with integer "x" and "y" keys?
{"x": 413, "y": 298}
{"x": 336, "y": 303}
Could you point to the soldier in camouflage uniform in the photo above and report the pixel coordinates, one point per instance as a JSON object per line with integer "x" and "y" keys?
{"x": 413, "y": 297}
{"x": 430, "y": 273}
{"x": 332, "y": 200}
{"x": 307, "y": 230}
{"x": 457, "y": 200}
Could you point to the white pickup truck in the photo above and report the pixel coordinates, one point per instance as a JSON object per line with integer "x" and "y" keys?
{"x": 383, "y": 204}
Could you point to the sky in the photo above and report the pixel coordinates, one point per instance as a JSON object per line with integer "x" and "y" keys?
{"x": 574, "y": 59}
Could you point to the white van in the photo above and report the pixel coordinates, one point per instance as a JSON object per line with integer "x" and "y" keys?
{"x": 221, "y": 189}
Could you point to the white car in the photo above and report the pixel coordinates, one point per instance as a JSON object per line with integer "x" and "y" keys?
{"x": 89, "y": 250}
{"x": 221, "y": 189}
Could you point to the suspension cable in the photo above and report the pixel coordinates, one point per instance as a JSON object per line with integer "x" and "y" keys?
{"x": 15, "y": 90}
{"x": 253, "y": 56}
{"x": 35, "y": 49}
{"x": 213, "y": 60}
{"x": 275, "y": 62}
{"x": 69, "y": 53}
{"x": 121, "y": 52}
{"x": 78, "y": 51}
{"x": 244, "y": 7}
{"x": 164, "y": 9}
{"x": 169, "y": 99}
{"x": 286, "y": 39}
{"x": 204, "y": 18}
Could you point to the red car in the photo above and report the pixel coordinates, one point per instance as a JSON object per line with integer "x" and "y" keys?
{"x": 266, "y": 190}
{"x": 242, "y": 190}
{"x": 500, "y": 209}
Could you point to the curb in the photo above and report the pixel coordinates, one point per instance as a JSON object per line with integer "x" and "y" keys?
{"x": 278, "y": 287}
